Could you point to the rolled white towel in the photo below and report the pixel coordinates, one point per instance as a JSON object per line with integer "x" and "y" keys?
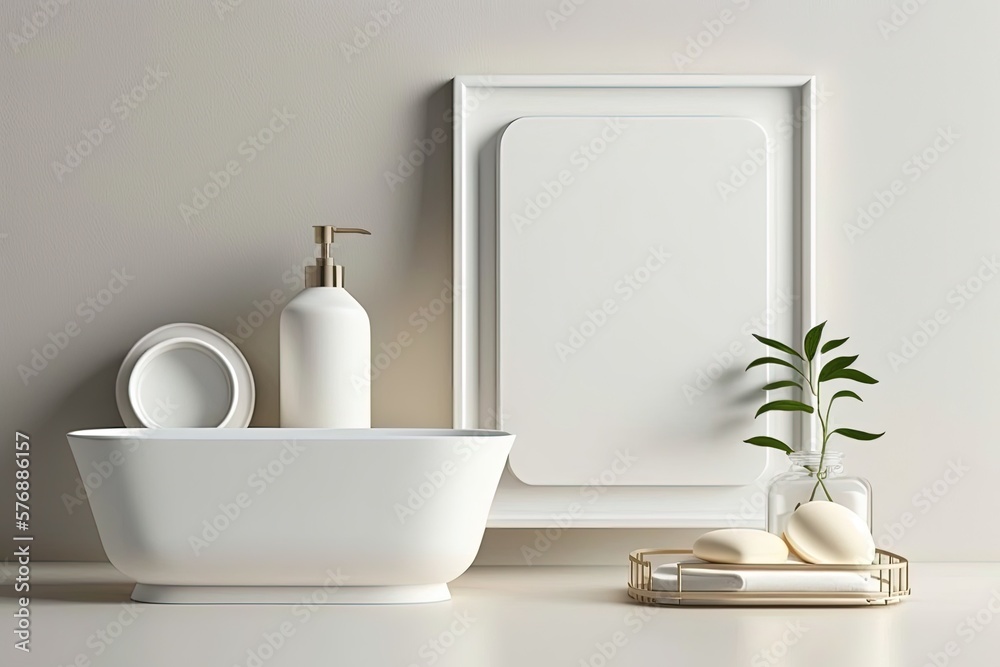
{"x": 760, "y": 581}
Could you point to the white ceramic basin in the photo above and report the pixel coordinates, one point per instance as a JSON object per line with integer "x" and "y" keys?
{"x": 290, "y": 515}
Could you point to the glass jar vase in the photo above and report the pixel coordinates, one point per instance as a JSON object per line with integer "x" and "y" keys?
{"x": 816, "y": 477}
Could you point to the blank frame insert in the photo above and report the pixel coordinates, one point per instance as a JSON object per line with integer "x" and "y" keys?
{"x": 629, "y": 263}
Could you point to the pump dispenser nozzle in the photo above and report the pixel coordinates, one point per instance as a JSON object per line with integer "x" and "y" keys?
{"x": 325, "y": 273}
{"x": 325, "y": 346}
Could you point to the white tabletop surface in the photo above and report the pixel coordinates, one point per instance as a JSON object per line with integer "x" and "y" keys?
{"x": 577, "y": 616}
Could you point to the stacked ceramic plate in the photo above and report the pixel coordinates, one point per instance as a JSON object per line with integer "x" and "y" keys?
{"x": 185, "y": 376}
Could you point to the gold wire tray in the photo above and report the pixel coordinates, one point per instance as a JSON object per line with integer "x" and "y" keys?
{"x": 890, "y": 570}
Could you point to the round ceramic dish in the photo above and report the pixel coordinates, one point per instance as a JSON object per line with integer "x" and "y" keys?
{"x": 185, "y": 376}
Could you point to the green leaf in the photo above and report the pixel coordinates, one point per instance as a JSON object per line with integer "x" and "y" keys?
{"x": 846, "y": 393}
{"x": 851, "y": 374}
{"x": 764, "y": 441}
{"x": 834, "y": 365}
{"x": 858, "y": 435}
{"x": 787, "y": 406}
{"x": 812, "y": 340}
{"x": 781, "y": 384}
{"x": 778, "y": 346}
{"x": 833, "y": 344}
{"x": 772, "y": 360}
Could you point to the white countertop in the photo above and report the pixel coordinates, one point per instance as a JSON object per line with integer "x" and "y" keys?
{"x": 518, "y": 616}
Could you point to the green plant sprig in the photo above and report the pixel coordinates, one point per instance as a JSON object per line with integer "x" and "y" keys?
{"x": 804, "y": 364}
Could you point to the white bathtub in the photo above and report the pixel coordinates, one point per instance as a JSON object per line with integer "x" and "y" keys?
{"x": 290, "y": 515}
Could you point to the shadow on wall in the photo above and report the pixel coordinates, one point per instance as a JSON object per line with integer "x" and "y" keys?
{"x": 433, "y": 246}
{"x": 408, "y": 344}
{"x": 59, "y": 503}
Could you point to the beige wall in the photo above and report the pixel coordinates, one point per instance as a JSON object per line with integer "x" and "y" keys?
{"x": 354, "y": 112}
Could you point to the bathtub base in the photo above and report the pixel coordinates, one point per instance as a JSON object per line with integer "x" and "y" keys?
{"x": 299, "y": 595}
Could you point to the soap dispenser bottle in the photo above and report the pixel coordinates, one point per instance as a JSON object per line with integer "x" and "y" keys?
{"x": 325, "y": 341}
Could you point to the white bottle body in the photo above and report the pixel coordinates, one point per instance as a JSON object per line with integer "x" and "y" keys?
{"x": 325, "y": 361}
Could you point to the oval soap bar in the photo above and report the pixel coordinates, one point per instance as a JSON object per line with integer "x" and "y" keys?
{"x": 741, "y": 545}
{"x": 826, "y": 533}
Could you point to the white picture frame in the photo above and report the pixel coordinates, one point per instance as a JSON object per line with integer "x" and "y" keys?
{"x": 484, "y": 106}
